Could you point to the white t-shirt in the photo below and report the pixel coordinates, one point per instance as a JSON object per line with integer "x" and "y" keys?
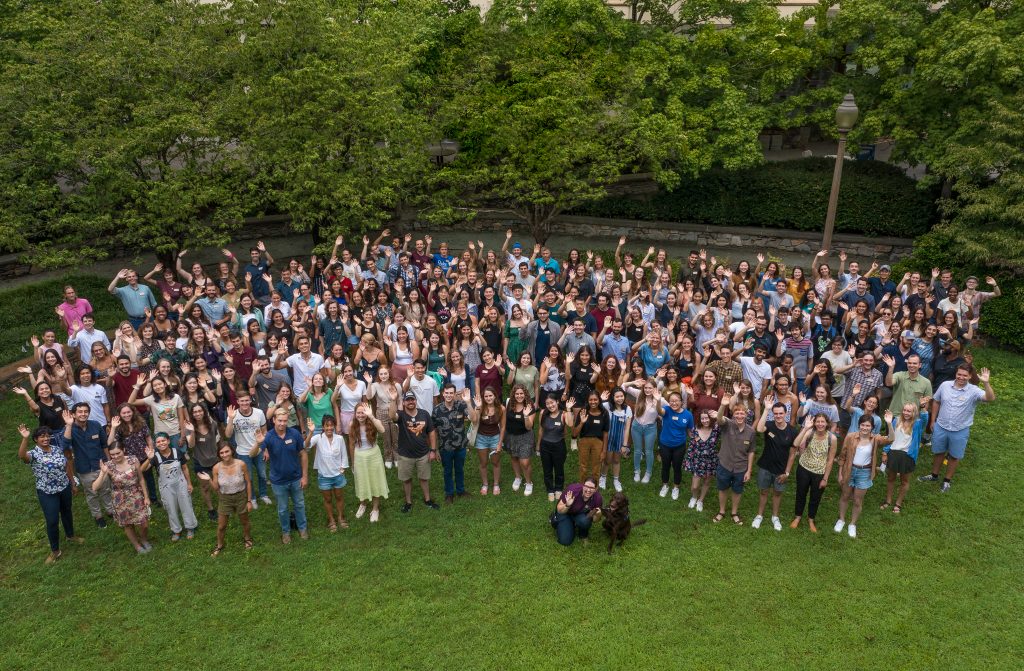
{"x": 425, "y": 390}
{"x": 350, "y": 398}
{"x": 165, "y": 414}
{"x": 331, "y": 456}
{"x": 245, "y": 430}
{"x": 757, "y": 373}
{"x": 95, "y": 395}
{"x": 303, "y": 370}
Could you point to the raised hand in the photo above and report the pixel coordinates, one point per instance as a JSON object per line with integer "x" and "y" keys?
{"x": 260, "y": 246}
{"x": 842, "y": 254}
{"x": 622, "y": 240}
{"x": 150, "y": 453}
{"x": 888, "y": 416}
{"x": 231, "y": 413}
{"x": 310, "y": 426}
{"x": 984, "y": 375}
{"x": 20, "y": 391}
{"x": 23, "y": 430}
{"x": 115, "y": 422}
{"x": 760, "y": 257}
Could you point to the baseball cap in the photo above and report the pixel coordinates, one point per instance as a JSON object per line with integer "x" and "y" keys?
{"x": 886, "y": 266}
{"x": 516, "y": 245}
{"x": 908, "y": 335}
{"x": 409, "y": 395}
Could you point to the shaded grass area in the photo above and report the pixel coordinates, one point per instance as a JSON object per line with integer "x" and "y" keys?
{"x": 482, "y": 584}
{"x": 28, "y": 310}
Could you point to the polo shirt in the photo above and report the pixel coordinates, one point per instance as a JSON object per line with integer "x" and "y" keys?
{"x": 87, "y": 445}
{"x": 573, "y": 343}
{"x": 73, "y": 313}
{"x": 242, "y": 361}
{"x": 84, "y": 340}
{"x": 135, "y": 300}
{"x": 736, "y": 447}
{"x": 615, "y": 345}
{"x": 215, "y": 310}
{"x": 579, "y": 505}
{"x": 285, "y": 466}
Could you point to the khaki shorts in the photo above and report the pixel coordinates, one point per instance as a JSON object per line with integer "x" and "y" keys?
{"x": 232, "y": 504}
{"x": 406, "y": 467}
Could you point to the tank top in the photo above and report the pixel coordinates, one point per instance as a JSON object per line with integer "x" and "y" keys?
{"x": 364, "y": 444}
{"x": 458, "y": 379}
{"x": 815, "y": 455}
{"x": 231, "y": 483}
{"x": 552, "y": 428}
{"x": 489, "y": 424}
{"x": 515, "y": 421}
{"x": 403, "y": 357}
{"x": 862, "y": 456}
{"x": 901, "y": 439}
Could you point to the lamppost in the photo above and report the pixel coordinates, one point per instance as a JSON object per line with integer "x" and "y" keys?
{"x": 846, "y": 117}
{"x": 443, "y": 152}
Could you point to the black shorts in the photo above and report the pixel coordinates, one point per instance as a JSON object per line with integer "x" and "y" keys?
{"x": 202, "y": 469}
{"x": 900, "y": 462}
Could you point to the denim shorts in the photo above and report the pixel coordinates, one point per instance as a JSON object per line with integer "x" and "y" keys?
{"x": 860, "y": 478}
{"x": 768, "y": 480}
{"x": 953, "y": 442}
{"x": 325, "y": 483}
{"x": 487, "y": 442}
{"x": 726, "y": 479}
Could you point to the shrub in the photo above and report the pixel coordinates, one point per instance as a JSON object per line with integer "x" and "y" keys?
{"x": 28, "y": 310}
{"x": 876, "y": 199}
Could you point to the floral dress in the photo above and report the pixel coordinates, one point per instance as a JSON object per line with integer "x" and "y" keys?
{"x": 702, "y": 455}
{"x": 135, "y": 443}
{"x": 126, "y": 493}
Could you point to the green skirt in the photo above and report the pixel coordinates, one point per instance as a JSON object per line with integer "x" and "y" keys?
{"x": 368, "y": 471}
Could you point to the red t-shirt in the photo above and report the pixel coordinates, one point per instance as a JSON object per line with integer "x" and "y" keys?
{"x": 242, "y": 361}
{"x": 123, "y": 385}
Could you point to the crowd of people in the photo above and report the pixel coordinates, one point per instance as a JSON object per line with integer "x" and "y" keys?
{"x": 399, "y": 353}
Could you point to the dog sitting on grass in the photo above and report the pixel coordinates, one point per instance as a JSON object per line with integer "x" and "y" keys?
{"x": 616, "y": 520}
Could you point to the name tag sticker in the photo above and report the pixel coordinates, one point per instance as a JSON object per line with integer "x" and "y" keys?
{"x": 96, "y": 437}
{"x": 558, "y": 424}
{"x": 288, "y": 442}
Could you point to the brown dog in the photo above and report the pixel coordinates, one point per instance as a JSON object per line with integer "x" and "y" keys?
{"x": 616, "y": 520}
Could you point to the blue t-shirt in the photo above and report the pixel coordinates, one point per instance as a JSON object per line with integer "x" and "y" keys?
{"x": 674, "y": 427}
{"x": 443, "y": 262}
{"x": 652, "y": 360}
{"x": 285, "y": 465}
{"x": 260, "y": 288}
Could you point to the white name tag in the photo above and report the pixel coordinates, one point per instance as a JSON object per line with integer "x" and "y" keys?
{"x": 288, "y": 442}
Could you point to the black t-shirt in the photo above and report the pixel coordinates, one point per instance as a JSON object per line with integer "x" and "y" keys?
{"x": 493, "y": 338}
{"x": 50, "y": 415}
{"x": 413, "y": 439}
{"x": 515, "y": 421}
{"x": 594, "y": 426}
{"x": 777, "y": 443}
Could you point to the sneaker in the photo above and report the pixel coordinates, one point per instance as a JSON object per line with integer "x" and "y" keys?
{"x": 852, "y": 531}
{"x": 551, "y": 497}
{"x": 636, "y": 476}
{"x": 647, "y": 478}
{"x": 483, "y": 491}
{"x": 881, "y": 467}
{"x": 175, "y": 537}
{"x": 700, "y": 506}
{"x": 361, "y": 510}
{"x": 928, "y": 478}
{"x": 286, "y": 539}
{"x": 265, "y": 500}
{"x": 617, "y": 485}
{"x": 303, "y": 534}
{"x": 254, "y": 504}
{"x": 516, "y": 484}
{"x": 675, "y": 493}
{"x": 664, "y": 491}
{"x": 574, "y": 445}
{"x": 777, "y": 524}
{"x": 692, "y": 502}
{"x": 495, "y": 490}
{"x": 101, "y": 522}
{"x": 839, "y": 526}
{"x": 147, "y": 546}
{"x": 431, "y": 505}
{"x": 190, "y": 534}
{"x": 602, "y": 482}
{"x": 56, "y": 554}
{"x": 374, "y": 515}
{"x": 388, "y": 464}
{"x": 945, "y": 487}
{"x": 528, "y": 489}
{"x": 558, "y": 494}
{"x": 756, "y": 522}
{"x": 407, "y": 507}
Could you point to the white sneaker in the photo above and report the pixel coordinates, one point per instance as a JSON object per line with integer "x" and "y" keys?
{"x": 646, "y": 479}
{"x": 255, "y": 506}
{"x": 756, "y": 522}
{"x": 374, "y": 515}
{"x": 387, "y": 464}
{"x": 777, "y": 524}
{"x": 636, "y": 476}
{"x": 551, "y": 497}
{"x": 602, "y": 482}
{"x": 265, "y": 500}
{"x": 700, "y": 506}
{"x": 516, "y": 484}
{"x": 361, "y": 510}
{"x": 852, "y": 530}
{"x": 675, "y": 493}
{"x": 664, "y": 491}
{"x": 574, "y": 445}
{"x": 617, "y": 485}
{"x": 692, "y": 503}
{"x": 839, "y": 526}
{"x": 528, "y": 489}
{"x": 558, "y": 494}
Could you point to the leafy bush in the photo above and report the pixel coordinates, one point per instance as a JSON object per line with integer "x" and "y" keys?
{"x": 28, "y": 310}
{"x": 875, "y": 199}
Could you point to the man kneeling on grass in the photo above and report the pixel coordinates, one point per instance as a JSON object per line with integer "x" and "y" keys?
{"x": 735, "y": 457}
{"x": 575, "y": 511}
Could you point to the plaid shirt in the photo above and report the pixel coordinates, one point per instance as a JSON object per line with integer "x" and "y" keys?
{"x": 408, "y": 275}
{"x": 869, "y": 382}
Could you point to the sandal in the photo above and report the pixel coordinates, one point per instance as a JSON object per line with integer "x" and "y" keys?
{"x": 718, "y": 518}
{"x": 332, "y": 527}
{"x": 217, "y": 550}
{"x": 885, "y": 506}
{"x": 896, "y": 510}
{"x": 736, "y": 519}
{"x": 343, "y": 524}
{"x": 248, "y": 543}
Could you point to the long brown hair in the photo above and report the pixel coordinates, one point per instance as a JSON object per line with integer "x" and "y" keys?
{"x": 355, "y": 433}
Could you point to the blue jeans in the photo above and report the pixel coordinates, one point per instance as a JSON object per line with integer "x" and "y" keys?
{"x": 257, "y": 471}
{"x": 137, "y": 322}
{"x": 283, "y": 493}
{"x": 567, "y": 527}
{"x": 56, "y": 511}
{"x": 454, "y": 462}
{"x": 644, "y": 437}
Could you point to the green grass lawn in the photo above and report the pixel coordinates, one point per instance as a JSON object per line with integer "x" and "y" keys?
{"x": 483, "y": 585}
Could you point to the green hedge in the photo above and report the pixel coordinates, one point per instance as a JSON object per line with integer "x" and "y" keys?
{"x": 876, "y": 199}
{"x": 28, "y": 310}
